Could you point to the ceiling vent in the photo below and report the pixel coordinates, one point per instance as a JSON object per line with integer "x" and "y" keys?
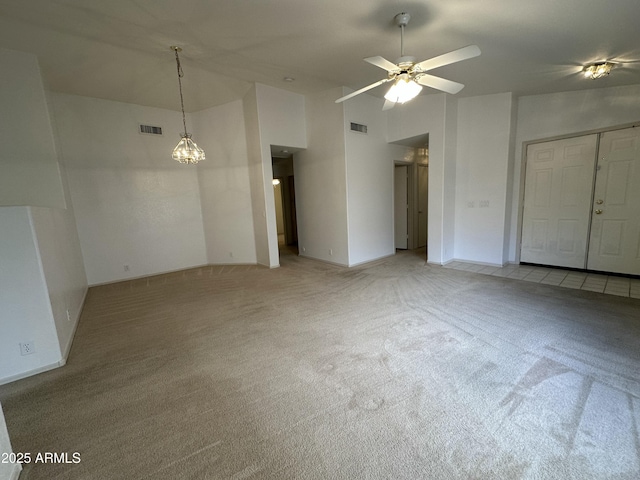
{"x": 357, "y": 127}
{"x": 150, "y": 130}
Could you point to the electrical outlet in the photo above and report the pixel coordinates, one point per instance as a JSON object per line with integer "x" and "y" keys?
{"x": 27, "y": 348}
{"x": 331, "y": 251}
{"x": 126, "y": 268}
{"x": 231, "y": 254}
{"x": 484, "y": 203}
{"x": 68, "y": 315}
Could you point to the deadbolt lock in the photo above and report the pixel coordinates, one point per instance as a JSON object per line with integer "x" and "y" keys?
{"x": 598, "y": 212}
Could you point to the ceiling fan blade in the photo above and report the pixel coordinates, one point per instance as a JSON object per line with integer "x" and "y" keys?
{"x": 383, "y": 63}
{"x": 362, "y": 90}
{"x": 439, "y": 83}
{"x": 388, "y": 105}
{"x": 463, "y": 53}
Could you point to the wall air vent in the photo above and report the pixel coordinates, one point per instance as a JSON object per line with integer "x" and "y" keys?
{"x": 357, "y": 127}
{"x": 150, "y": 130}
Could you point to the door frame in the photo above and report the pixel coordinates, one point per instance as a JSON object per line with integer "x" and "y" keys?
{"x": 523, "y": 172}
{"x": 411, "y": 201}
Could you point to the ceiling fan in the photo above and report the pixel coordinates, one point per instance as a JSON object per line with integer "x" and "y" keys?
{"x": 409, "y": 76}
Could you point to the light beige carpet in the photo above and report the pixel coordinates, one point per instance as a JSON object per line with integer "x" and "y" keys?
{"x": 393, "y": 370}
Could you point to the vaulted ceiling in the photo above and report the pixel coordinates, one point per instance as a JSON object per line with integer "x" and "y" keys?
{"x": 119, "y": 49}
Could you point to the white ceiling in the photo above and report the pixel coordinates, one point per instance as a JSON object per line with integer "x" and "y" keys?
{"x": 119, "y": 50}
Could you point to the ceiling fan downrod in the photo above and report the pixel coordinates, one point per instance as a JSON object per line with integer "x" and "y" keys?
{"x": 402, "y": 20}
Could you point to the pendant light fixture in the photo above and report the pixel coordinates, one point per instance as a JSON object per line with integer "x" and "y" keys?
{"x": 597, "y": 70}
{"x": 186, "y": 151}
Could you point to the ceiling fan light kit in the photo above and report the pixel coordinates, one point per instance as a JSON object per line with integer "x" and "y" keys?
{"x": 403, "y": 90}
{"x": 409, "y": 77}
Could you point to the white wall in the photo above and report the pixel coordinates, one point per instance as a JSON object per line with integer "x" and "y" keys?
{"x": 482, "y": 165}
{"x": 449, "y": 180}
{"x": 26, "y": 314}
{"x": 29, "y": 172}
{"x": 320, "y": 181}
{"x": 428, "y": 114}
{"x": 42, "y": 279}
{"x": 8, "y": 471}
{"x": 134, "y": 205}
{"x": 225, "y": 192}
{"x": 281, "y": 118}
{"x": 59, "y": 248}
{"x": 369, "y": 171}
{"x": 566, "y": 113}
{"x": 256, "y": 177}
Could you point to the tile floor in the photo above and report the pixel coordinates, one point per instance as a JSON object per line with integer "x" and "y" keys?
{"x": 609, "y": 284}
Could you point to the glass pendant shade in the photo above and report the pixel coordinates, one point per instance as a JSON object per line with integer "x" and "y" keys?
{"x": 403, "y": 90}
{"x": 187, "y": 151}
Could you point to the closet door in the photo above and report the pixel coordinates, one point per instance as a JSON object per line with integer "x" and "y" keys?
{"x": 557, "y": 201}
{"x": 614, "y": 243}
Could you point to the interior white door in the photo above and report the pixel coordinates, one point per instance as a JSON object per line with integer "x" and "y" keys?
{"x": 614, "y": 243}
{"x": 423, "y": 203}
{"x": 557, "y": 201}
{"x": 400, "y": 204}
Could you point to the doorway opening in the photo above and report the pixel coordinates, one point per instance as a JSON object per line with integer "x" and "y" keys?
{"x": 285, "y": 203}
{"x": 411, "y": 196}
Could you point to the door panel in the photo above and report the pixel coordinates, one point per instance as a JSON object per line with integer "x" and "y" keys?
{"x": 423, "y": 204}
{"x": 400, "y": 206}
{"x": 615, "y": 227}
{"x": 557, "y": 201}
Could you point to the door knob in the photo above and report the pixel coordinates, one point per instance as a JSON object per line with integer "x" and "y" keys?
{"x": 599, "y": 202}
{"x": 598, "y": 212}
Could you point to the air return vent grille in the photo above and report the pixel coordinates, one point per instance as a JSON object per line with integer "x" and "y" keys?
{"x": 357, "y": 127}
{"x": 150, "y": 130}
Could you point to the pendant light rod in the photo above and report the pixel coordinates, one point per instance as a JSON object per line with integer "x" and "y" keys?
{"x": 180, "y": 75}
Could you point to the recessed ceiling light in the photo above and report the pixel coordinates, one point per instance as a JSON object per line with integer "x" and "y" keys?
{"x": 288, "y": 79}
{"x": 597, "y": 70}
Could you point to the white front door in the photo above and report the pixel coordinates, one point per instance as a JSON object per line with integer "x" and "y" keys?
{"x": 400, "y": 205}
{"x": 557, "y": 201}
{"x": 614, "y": 244}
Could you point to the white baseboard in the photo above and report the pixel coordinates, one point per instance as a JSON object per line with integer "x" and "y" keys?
{"x": 35, "y": 371}
{"x": 323, "y": 260}
{"x": 372, "y": 260}
{"x": 472, "y": 262}
{"x": 15, "y": 472}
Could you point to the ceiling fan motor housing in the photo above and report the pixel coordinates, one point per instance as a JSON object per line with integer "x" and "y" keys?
{"x": 406, "y": 62}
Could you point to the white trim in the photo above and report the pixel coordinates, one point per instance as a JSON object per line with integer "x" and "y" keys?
{"x": 67, "y": 349}
{"x": 15, "y": 473}
{"x": 149, "y": 275}
{"x": 323, "y": 260}
{"x": 442, "y": 264}
{"x": 29, "y": 373}
{"x": 372, "y": 260}
{"x": 472, "y": 262}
